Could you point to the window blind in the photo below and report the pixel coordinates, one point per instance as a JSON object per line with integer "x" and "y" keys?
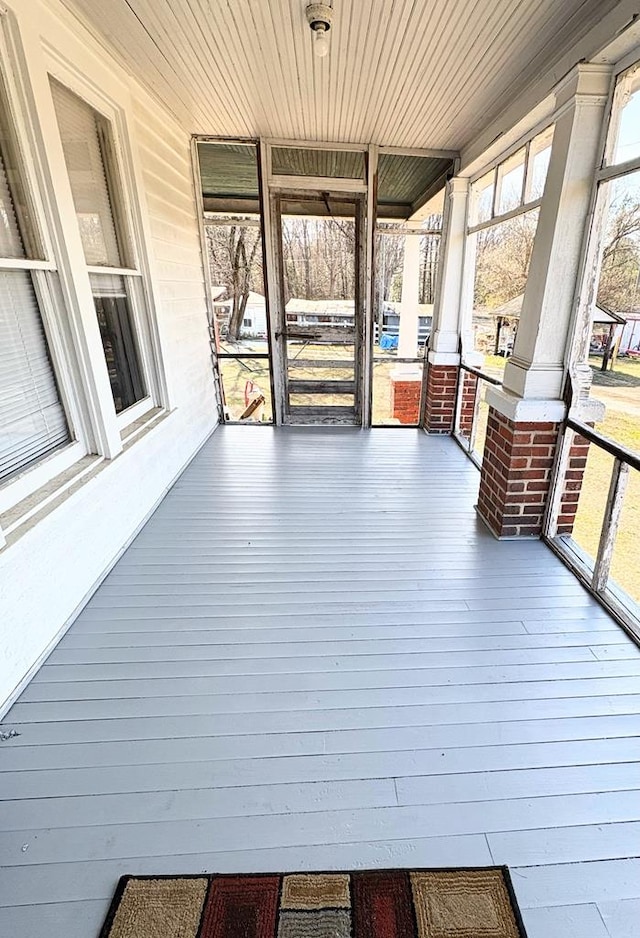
{"x": 83, "y": 132}
{"x": 32, "y": 419}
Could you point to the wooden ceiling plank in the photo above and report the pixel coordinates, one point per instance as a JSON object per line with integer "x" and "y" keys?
{"x": 121, "y": 30}
{"x": 433, "y": 25}
{"x": 507, "y": 36}
{"x": 259, "y": 61}
{"x": 362, "y": 76}
{"x": 425, "y": 73}
{"x": 542, "y": 61}
{"x": 202, "y": 53}
{"x": 171, "y": 39}
{"x": 436, "y": 64}
{"x": 293, "y": 61}
{"x": 556, "y": 30}
{"x": 346, "y": 29}
{"x": 216, "y": 38}
{"x": 473, "y": 50}
{"x": 405, "y": 26}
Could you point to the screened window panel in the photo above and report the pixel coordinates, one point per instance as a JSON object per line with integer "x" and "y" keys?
{"x": 11, "y": 244}
{"x": 118, "y": 339}
{"x": 84, "y": 133}
{"x": 32, "y": 419}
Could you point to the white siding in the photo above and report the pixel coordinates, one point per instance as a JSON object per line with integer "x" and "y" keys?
{"x": 46, "y": 573}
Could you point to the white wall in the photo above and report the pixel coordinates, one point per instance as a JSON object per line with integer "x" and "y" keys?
{"x": 47, "y": 573}
{"x": 256, "y": 312}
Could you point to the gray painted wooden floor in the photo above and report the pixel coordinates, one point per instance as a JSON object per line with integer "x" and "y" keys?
{"x": 314, "y": 656}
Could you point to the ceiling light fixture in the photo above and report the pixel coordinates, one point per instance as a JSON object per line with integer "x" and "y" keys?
{"x": 320, "y": 17}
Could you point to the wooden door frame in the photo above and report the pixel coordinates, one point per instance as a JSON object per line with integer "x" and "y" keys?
{"x": 280, "y": 359}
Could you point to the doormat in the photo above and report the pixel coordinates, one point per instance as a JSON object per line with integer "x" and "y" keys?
{"x": 445, "y": 903}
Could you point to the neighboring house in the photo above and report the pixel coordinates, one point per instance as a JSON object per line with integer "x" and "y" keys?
{"x": 495, "y": 328}
{"x": 606, "y": 330}
{"x": 390, "y": 324}
{"x": 316, "y": 312}
{"x": 254, "y": 322}
{"x": 630, "y": 339}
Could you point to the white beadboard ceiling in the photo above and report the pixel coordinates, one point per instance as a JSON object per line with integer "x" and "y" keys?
{"x": 406, "y": 73}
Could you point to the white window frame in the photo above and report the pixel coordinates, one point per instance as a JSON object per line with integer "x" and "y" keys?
{"x": 60, "y": 275}
{"x": 496, "y": 167}
{"x": 595, "y": 572}
{"x": 127, "y": 212}
{"x": 589, "y": 276}
{"x": 43, "y": 270}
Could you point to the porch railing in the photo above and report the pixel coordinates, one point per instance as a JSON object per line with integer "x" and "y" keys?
{"x": 570, "y": 488}
{"x": 470, "y": 422}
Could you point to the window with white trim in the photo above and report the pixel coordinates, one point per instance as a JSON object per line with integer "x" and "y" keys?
{"x": 89, "y": 150}
{"x": 33, "y": 422}
{"x": 503, "y": 217}
{"x": 604, "y": 535}
{"x": 611, "y": 290}
{"x": 514, "y": 185}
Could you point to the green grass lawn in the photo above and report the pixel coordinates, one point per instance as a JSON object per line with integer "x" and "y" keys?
{"x": 623, "y": 426}
{"x": 236, "y": 373}
{"x": 626, "y": 373}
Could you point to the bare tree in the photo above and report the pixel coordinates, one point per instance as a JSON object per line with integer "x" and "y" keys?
{"x": 502, "y": 260}
{"x": 236, "y": 264}
{"x": 429, "y": 256}
{"x": 619, "y": 286}
{"x": 319, "y": 260}
{"x": 389, "y": 257}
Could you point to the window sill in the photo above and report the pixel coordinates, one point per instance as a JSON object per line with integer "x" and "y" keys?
{"x": 141, "y": 425}
{"x": 134, "y": 413}
{"x": 36, "y": 477}
{"x": 25, "y": 514}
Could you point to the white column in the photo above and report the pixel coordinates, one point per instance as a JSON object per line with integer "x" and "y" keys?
{"x": 409, "y": 318}
{"x": 445, "y": 335}
{"x": 535, "y": 371}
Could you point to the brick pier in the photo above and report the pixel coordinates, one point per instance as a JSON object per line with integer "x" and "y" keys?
{"x": 442, "y": 381}
{"x": 516, "y": 475}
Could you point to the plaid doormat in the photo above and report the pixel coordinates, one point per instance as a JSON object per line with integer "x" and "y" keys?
{"x": 461, "y": 903}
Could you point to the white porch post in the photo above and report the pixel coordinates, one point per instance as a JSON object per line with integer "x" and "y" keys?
{"x": 535, "y": 371}
{"x": 525, "y": 415}
{"x": 408, "y": 330}
{"x": 406, "y": 377}
{"x": 444, "y": 347}
{"x": 444, "y": 344}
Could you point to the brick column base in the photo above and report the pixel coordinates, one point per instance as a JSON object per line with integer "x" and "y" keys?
{"x": 467, "y": 405}
{"x": 405, "y": 399}
{"x": 572, "y": 484}
{"x": 441, "y": 398}
{"x": 516, "y": 475}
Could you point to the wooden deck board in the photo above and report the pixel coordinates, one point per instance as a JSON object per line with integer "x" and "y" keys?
{"x": 314, "y": 656}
